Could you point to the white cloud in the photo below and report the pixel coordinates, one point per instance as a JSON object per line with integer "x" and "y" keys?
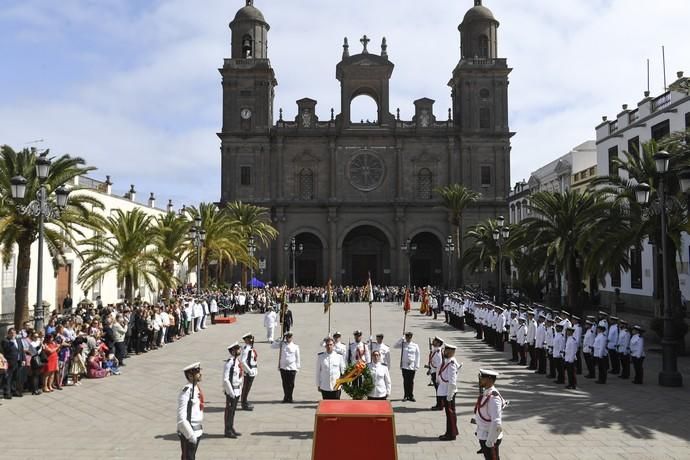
{"x": 147, "y": 103}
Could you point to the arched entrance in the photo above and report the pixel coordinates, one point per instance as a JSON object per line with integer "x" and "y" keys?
{"x": 309, "y": 263}
{"x": 427, "y": 261}
{"x": 366, "y": 250}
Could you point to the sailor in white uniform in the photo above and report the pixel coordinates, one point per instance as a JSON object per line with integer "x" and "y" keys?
{"x": 488, "y": 415}
{"x": 233, "y": 378}
{"x": 190, "y": 412}
{"x": 329, "y": 367}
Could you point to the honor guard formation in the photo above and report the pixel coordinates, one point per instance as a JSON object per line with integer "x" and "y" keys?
{"x": 553, "y": 343}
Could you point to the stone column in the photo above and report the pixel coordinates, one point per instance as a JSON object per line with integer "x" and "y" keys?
{"x": 279, "y": 270}
{"x": 332, "y": 166}
{"x": 400, "y": 258}
{"x": 333, "y": 272}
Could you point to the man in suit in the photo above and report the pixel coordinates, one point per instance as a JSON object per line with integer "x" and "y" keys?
{"x": 287, "y": 320}
{"x": 13, "y": 351}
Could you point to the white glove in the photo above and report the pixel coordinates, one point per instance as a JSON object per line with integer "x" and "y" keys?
{"x": 193, "y": 440}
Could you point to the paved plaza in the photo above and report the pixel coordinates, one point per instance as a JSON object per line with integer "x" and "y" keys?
{"x": 132, "y": 416}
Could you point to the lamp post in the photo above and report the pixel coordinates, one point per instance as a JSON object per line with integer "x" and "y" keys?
{"x": 669, "y": 375}
{"x": 44, "y": 210}
{"x": 500, "y": 235}
{"x": 409, "y": 248}
{"x": 295, "y": 251}
{"x": 251, "y": 246}
{"x": 450, "y": 249}
{"x": 198, "y": 236}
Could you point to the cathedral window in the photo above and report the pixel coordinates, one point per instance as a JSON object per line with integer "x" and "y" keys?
{"x": 484, "y": 118}
{"x": 485, "y": 176}
{"x": 247, "y": 46}
{"x": 306, "y": 184}
{"x": 484, "y": 94}
{"x": 245, "y": 175}
{"x": 424, "y": 184}
{"x": 483, "y": 46}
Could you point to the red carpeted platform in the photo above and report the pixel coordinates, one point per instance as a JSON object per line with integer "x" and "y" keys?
{"x": 224, "y": 320}
{"x": 346, "y": 430}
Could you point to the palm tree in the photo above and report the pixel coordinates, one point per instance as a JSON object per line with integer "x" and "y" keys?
{"x": 564, "y": 225}
{"x": 483, "y": 252}
{"x": 456, "y": 198}
{"x": 171, "y": 242}
{"x": 124, "y": 247}
{"x": 22, "y": 230}
{"x": 639, "y": 167}
{"x": 253, "y": 221}
{"x": 224, "y": 240}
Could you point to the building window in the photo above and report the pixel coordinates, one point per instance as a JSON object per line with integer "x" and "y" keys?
{"x": 661, "y": 130}
{"x": 484, "y": 94}
{"x": 636, "y": 268}
{"x": 245, "y": 175}
{"x": 483, "y": 46}
{"x": 687, "y": 120}
{"x": 8, "y": 273}
{"x": 634, "y": 146}
{"x": 306, "y": 184}
{"x": 593, "y": 171}
{"x": 485, "y": 176}
{"x": 616, "y": 279}
{"x": 613, "y": 154}
{"x": 484, "y": 118}
{"x": 424, "y": 184}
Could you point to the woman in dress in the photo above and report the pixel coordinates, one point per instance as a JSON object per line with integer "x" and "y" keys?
{"x": 50, "y": 348}
{"x": 94, "y": 368}
{"x": 381, "y": 377}
{"x": 62, "y": 339}
{"x": 35, "y": 348}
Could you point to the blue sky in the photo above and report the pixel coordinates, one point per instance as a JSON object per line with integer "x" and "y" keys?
{"x": 132, "y": 85}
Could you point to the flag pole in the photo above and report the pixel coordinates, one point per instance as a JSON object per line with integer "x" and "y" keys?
{"x": 370, "y": 298}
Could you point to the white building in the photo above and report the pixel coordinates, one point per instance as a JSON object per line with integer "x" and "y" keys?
{"x": 653, "y": 118}
{"x": 57, "y": 284}
{"x": 575, "y": 168}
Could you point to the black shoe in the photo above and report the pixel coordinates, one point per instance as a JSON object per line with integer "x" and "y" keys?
{"x": 411, "y": 399}
{"x": 18, "y": 395}
{"x": 248, "y": 408}
{"x": 231, "y": 435}
{"x": 405, "y": 398}
{"x": 443, "y": 437}
{"x": 236, "y": 433}
{"x": 8, "y": 396}
{"x": 571, "y": 387}
{"x": 436, "y": 408}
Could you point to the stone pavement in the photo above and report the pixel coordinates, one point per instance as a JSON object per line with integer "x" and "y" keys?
{"x": 132, "y": 416}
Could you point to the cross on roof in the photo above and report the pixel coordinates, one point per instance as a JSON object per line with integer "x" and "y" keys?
{"x": 365, "y": 41}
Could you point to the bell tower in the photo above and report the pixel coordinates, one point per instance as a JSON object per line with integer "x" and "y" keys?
{"x": 248, "y": 79}
{"x": 480, "y": 80}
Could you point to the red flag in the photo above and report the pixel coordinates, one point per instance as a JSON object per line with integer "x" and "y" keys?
{"x": 407, "y": 305}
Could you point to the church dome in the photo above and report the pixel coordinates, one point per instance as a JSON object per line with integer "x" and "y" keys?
{"x": 249, "y": 13}
{"x": 478, "y": 13}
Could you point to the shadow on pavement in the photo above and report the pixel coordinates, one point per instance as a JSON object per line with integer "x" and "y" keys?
{"x": 299, "y": 435}
{"x": 409, "y": 439}
{"x": 409, "y": 410}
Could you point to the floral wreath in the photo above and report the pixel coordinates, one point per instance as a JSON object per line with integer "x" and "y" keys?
{"x": 361, "y": 386}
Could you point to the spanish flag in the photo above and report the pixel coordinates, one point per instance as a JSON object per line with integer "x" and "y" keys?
{"x": 329, "y": 297}
{"x": 407, "y": 305}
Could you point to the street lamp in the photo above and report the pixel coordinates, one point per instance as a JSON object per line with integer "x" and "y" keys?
{"x": 669, "y": 375}
{"x": 500, "y": 236}
{"x": 296, "y": 250}
{"x": 251, "y": 246}
{"x": 44, "y": 210}
{"x": 450, "y": 249}
{"x": 409, "y": 248}
{"x": 198, "y": 236}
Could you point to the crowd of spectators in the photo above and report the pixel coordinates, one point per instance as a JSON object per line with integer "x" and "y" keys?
{"x": 95, "y": 341}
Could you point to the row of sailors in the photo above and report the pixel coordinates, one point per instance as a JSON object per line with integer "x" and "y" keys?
{"x": 560, "y": 341}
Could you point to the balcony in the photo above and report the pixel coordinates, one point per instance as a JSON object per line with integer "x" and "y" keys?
{"x": 661, "y": 102}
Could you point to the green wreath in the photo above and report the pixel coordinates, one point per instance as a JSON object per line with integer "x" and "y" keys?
{"x": 366, "y": 383}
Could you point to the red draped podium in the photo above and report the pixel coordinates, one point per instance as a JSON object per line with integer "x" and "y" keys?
{"x": 349, "y": 430}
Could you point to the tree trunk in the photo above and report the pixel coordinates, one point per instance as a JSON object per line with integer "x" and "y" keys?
{"x": 205, "y": 266}
{"x": 573, "y": 276}
{"x": 129, "y": 288}
{"x": 21, "y": 290}
{"x": 459, "y": 280}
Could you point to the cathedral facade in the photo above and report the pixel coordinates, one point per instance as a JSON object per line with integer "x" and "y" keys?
{"x": 353, "y": 197}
